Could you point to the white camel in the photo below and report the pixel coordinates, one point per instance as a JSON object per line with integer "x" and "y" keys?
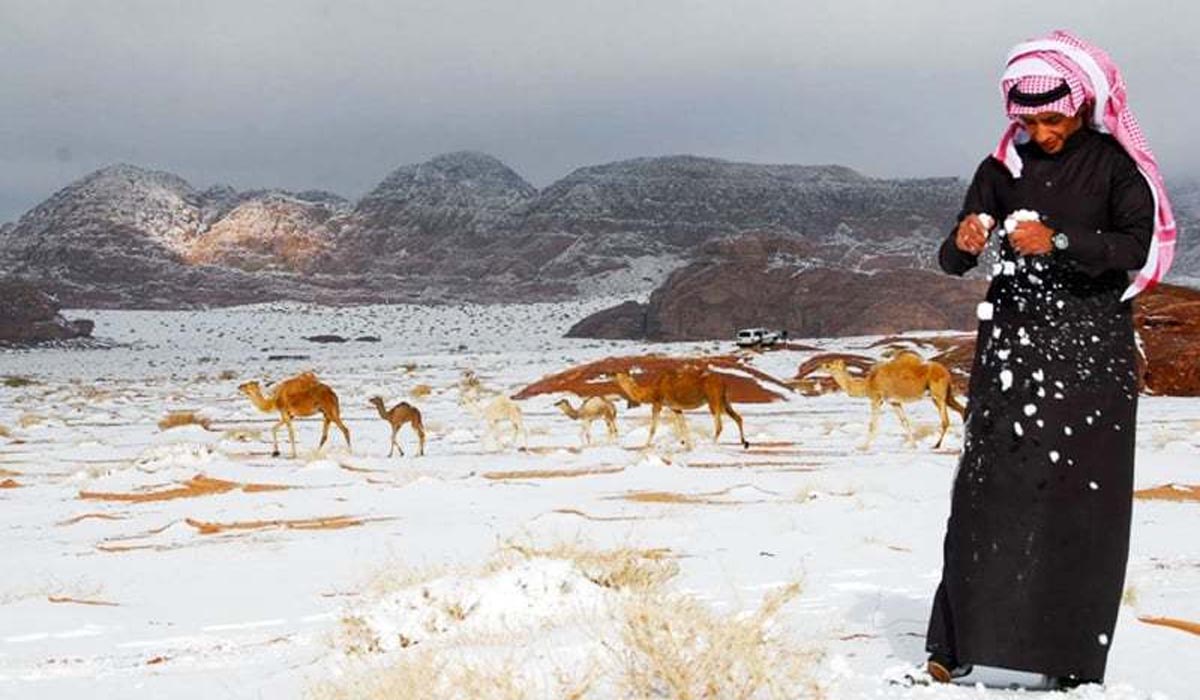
{"x": 495, "y": 412}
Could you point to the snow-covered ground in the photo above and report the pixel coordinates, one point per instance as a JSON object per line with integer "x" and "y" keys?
{"x": 262, "y": 579}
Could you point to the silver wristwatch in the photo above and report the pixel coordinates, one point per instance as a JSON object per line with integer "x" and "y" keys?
{"x": 1060, "y": 241}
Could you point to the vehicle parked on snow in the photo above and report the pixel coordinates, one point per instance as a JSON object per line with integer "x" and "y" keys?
{"x": 755, "y": 337}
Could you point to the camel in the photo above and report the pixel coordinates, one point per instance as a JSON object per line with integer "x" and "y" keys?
{"x": 592, "y": 408}
{"x": 397, "y": 416}
{"x": 680, "y": 390}
{"x": 299, "y": 396}
{"x": 500, "y": 409}
{"x": 904, "y": 378}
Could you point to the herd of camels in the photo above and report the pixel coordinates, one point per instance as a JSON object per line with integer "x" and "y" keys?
{"x": 902, "y": 378}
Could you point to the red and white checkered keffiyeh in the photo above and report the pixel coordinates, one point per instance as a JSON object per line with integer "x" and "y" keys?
{"x": 1040, "y": 65}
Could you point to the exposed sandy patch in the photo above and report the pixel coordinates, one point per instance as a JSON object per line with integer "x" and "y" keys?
{"x": 1169, "y": 492}
{"x": 708, "y": 498}
{"x": 361, "y": 470}
{"x": 9, "y": 484}
{"x": 197, "y": 486}
{"x": 334, "y": 522}
{"x": 6, "y": 473}
{"x": 1185, "y": 625}
{"x": 593, "y": 378}
{"x": 598, "y": 518}
{"x": 752, "y": 464}
{"x": 91, "y": 516}
{"x": 79, "y": 601}
{"x": 550, "y": 473}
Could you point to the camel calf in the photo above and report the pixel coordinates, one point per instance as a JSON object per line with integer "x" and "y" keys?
{"x": 498, "y": 410}
{"x": 592, "y": 408}
{"x": 397, "y": 416}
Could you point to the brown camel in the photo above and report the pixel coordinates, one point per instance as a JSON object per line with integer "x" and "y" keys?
{"x": 299, "y": 396}
{"x": 397, "y": 416}
{"x": 683, "y": 389}
{"x": 593, "y": 407}
{"x": 902, "y": 379}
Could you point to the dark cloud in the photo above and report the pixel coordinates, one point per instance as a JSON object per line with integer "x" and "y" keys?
{"x": 303, "y": 94}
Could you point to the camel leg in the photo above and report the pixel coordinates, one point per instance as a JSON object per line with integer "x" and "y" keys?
{"x": 345, "y": 433}
{"x": 611, "y": 423}
{"x": 291, "y": 436}
{"x": 586, "y": 426}
{"x": 715, "y": 410}
{"x": 395, "y": 445}
{"x": 910, "y": 437}
{"x": 324, "y": 433}
{"x": 654, "y": 411}
{"x": 727, "y": 405}
{"x": 420, "y": 428}
{"x": 275, "y": 437}
{"x": 873, "y": 422}
{"x": 940, "y": 401}
{"x": 682, "y": 428}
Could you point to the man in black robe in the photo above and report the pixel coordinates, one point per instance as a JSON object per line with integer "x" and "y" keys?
{"x": 1038, "y": 534}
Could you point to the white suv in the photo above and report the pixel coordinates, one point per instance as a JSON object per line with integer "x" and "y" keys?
{"x": 750, "y": 337}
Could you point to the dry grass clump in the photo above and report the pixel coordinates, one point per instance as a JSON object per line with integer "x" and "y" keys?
{"x": 16, "y": 382}
{"x": 677, "y": 648}
{"x": 428, "y": 676}
{"x": 4, "y": 431}
{"x": 622, "y": 568}
{"x": 420, "y": 391}
{"x": 175, "y": 419}
{"x": 28, "y": 420}
{"x": 657, "y": 645}
{"x": 226, "y": 375}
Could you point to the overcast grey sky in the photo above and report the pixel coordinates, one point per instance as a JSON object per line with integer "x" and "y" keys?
{"x": 334, "y": 94}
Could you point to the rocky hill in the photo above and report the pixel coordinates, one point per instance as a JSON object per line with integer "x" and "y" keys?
{"x": 464, "y": 226}
{"x": 29, "y": 316}
{"x": 710, "y": 298}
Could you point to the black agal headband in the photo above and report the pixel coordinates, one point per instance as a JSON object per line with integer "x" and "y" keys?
{"x": 1038, "y": 99}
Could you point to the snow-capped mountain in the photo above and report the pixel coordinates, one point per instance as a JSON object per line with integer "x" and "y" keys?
{"x": 464, "y": 226}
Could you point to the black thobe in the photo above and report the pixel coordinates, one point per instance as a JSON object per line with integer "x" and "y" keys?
{"x": 1038, "y": 535}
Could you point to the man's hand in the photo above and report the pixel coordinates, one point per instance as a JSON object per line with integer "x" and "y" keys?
{"x": 1032, "y": 238}
{"x": 971, "y": 235}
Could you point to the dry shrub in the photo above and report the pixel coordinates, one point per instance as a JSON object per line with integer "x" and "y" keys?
{"x": 227, "y": 375}
{"x": 28, "y": 420}
{"x": 427, "y": 676}
{"x": 4, "y": 431}
{"x": 16, "y": 382}
{"x": 677, "y": 648}
{"x": 396, "y": 576}
{"x": 623, "y": 568}
{"x": 175, "y": 419}
{"x": 420, "y": 391}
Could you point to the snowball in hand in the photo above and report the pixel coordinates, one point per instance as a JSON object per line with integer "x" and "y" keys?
{"x": 1010, "y": 224}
